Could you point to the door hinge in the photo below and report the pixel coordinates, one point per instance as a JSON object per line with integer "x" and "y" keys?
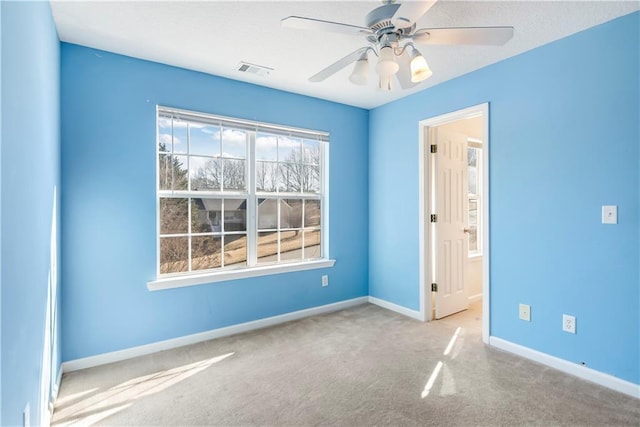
{"x": 434, "y": 287}
{"x": 434, "y": 218}
{"x": 434, "y": 148}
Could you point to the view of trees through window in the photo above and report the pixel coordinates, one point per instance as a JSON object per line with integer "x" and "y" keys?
{"x": 205, "y": 197}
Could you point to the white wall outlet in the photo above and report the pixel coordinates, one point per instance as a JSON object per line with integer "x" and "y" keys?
{"x": 610, "y": 214}
{"x": 569, "y": 323}
{"x": 524, "y": 311}
{"x": 26, "y": 416}
{"x": 325, "y": 280}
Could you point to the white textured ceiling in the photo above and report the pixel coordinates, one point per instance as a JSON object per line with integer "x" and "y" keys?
{"x": 214, "y": 36}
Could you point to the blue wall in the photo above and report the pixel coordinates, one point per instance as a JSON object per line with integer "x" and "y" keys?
{"x": 564, "y": 140}
{"x": 30, "y": 177}
{"x": 109, "y": 222}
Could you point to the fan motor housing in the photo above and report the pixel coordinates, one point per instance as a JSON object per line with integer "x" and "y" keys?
{"x": 380, "y": 20}
{"x": 380, "y": 17}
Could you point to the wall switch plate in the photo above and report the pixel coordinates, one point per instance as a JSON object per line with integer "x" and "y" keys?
{"x": 524, "y": 312}
{"x": 569, "y": 323}
{"x": 325, "y": 280}
{"x": 610, "y": 214}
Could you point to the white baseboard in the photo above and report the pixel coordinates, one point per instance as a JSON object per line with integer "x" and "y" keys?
{"x": 397, "y": 308}
{"x": 567, "y": 367}
{"x": 48, "y": 411}
{"x": 115, "y": 356}
{"x": 56, "y": 387}
{"x": 474, "y": 298}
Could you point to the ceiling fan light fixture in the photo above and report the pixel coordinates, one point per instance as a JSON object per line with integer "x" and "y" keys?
{"x": 387, "y": 65}
{"x": 360, "y": 74}
{"x": 420, "y": 70}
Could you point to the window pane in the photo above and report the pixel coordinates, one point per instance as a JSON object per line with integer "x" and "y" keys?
{"x": 180, "y": 137}
{"x": 267, "y": 247}
{"x": 234, "y": 175}
{"x": 174, "y": 214}
{"x": 473, "y": 180}
{"x": 289, "y": 149}
{"x": 267, "y": 214}
{"x": 165, "y": 173}
{"x": 266, "y": 176}
{"x": 472, "y": 157}
{"x": 473, "y": 225}
{"x": 234, "y": 143}
{"x": 174, "y": 254}
{"x": 172, "y": 172}
{"x": 290, "y": 245}
{"x": 206, "y": 215}
{"x": 312, "y": 244}
{"x": 206, "y": 174}
{"x": 266, "y": 147}
{"x": 312, "y": 213}
{"x": 290, "y": 213}
{"x": 179, "y": 170}
{"x": 473, "y": 212}
{"x": 235, "y": 250}
{"x": 291, "y": 175}
{"x": 235, "y": 215}
{"x": 311, "y": 183}
{"x": 206, "y": 252}
{"x": 164, "y": 135}
{"x": 204, "y": 140}
{"x": 473, "y": 240}
{"x": 311, "y": 152}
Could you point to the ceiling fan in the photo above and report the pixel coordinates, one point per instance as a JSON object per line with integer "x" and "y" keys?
{"x": 391, "y": 33}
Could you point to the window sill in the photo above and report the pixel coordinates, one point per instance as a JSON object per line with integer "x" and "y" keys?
{"x": 475, "y": 256}
{"x": 221, "y": 276}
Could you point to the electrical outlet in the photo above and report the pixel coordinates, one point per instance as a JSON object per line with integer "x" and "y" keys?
{"x": 610, "y": 214}
{"x": 325, "y": 280}
{"x": 525, "y": 312}
{"x": 569, "y": 323}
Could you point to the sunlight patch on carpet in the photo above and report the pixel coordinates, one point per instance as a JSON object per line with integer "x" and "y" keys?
{"x": 432, "y": 379}
{"x": 98, "y": 406}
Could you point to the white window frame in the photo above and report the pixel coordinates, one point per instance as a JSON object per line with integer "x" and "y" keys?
{"x": 477, "y": 144}
{"x": 252, "y": 269}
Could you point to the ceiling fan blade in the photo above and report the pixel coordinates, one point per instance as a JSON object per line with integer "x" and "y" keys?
{"x": 404, "y": 73}
{"x": 338, "y": 65}
{"x": 470, "y": 35}
{"x": 410, "y": 11}
{"x": 301, "y": 23}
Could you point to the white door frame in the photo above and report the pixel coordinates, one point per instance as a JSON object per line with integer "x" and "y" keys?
{"x": 425, "y": 196}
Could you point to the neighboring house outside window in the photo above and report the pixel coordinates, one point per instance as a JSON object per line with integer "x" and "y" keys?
{"x": 234, "y": 194}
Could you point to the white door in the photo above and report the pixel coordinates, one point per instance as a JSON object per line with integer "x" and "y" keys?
{"x": 451, "y": 203}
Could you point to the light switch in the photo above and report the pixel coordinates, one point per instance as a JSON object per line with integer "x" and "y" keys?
{"x": 610, "y": 214}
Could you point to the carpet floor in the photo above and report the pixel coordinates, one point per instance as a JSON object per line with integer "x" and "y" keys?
{"x": 362, "y": 366}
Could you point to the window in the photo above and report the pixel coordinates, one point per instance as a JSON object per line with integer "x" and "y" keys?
{"x": 237, "y": 195}
{"x": 474, "y": 156}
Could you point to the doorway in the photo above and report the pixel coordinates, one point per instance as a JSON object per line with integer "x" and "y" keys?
{"x": 454, "y": 213}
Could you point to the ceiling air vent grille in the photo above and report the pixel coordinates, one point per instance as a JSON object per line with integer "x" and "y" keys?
{"x": 258, "y": 70}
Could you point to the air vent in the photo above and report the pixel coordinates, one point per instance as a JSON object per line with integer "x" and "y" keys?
{"x": 258, "y": 70}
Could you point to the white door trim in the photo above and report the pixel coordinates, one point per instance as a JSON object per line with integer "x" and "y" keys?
{"x": 424, "y": 202}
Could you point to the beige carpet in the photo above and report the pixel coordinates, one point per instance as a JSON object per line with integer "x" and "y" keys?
{"x": 361, "y": 366}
